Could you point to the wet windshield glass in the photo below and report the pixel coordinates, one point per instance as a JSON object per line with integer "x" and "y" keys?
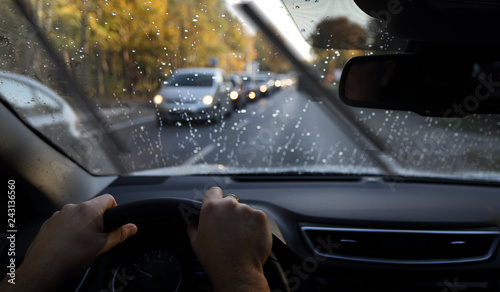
{"x": 191, "y": 80}
{"x": 144, "y": 87}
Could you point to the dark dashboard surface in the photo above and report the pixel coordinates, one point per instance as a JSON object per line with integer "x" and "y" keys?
{"x": 330, "y": 233}
{"x": 370, "y": 203}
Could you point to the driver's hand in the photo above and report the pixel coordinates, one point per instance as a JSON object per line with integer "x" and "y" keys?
{"x": 67, "y": 243}
{"x": 232, "y": 242}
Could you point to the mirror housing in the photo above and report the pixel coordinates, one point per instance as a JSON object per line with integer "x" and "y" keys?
{"x": 428, "y": 85}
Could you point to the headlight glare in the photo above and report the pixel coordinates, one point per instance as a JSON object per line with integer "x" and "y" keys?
{"x": 233, "y": 95}
{"x": 158, "y": 99}
{"x": 207, "y": 100}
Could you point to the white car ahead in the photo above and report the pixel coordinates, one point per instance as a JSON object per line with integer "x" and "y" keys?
{"x": 195, "y": 94}
{"x": 38, "y": 105}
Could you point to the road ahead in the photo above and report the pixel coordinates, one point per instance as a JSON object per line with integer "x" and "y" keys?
{"x": 283, "y": 130}
{"x": 289, "y": 132}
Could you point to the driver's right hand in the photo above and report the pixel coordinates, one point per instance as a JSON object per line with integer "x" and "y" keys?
{"x": 232, "y": 242}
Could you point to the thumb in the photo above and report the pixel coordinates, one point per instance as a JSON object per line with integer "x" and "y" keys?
{"x": 118, "y": 236}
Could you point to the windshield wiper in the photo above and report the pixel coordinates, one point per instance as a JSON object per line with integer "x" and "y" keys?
{"x": 346, "y": 122}
{"x": 68, "y": 83}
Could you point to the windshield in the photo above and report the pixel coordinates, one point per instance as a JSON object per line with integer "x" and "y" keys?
{"x": 90, "y": 75}
{"x": 191, "y": 80}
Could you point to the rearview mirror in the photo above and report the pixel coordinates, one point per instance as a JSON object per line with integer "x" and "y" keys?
{"x": 428, "y": 85}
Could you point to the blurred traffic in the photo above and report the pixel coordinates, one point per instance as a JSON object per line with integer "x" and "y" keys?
{"x": 209, "y": 94}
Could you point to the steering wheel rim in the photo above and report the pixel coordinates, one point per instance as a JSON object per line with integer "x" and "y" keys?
{"x": 179, "y": 210}
{"x": 143, "y": 211}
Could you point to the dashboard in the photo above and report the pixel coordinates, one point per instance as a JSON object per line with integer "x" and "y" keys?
{"x": 330, "y": 234}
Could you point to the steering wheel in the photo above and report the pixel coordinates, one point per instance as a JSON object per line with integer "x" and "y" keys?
{"x": 182, "y": 211}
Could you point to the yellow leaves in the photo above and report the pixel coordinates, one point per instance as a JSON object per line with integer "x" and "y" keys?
{"x": 135, "y": 42}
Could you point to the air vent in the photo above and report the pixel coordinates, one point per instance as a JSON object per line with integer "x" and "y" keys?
{"x": 401, "y": 246}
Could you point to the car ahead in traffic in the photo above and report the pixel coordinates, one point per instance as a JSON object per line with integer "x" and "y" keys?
{"x": 283, "y": 80}
{"x": 38, "y": 105}
{"x": 266, "y": 83}
{"x": 251, "y": 87}
{"x": 238, "y": 92}
{"x": 199, "y": 94}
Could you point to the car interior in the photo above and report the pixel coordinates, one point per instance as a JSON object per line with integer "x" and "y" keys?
{"x": 399, "y": 229}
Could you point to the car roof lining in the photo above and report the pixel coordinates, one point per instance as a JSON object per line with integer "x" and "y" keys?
{"x": 439, "y": 21}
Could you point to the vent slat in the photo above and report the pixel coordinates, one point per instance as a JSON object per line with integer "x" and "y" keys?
{"x": 402, "y": 246}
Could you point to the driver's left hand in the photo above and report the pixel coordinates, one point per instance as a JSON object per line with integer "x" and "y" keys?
{"x": 68, "y": 242}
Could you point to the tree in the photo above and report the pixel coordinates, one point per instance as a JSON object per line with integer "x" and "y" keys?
{"x": 129, "y": 47}
{"x": 269, "y": 58}
{"x": 334, "y": 42}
